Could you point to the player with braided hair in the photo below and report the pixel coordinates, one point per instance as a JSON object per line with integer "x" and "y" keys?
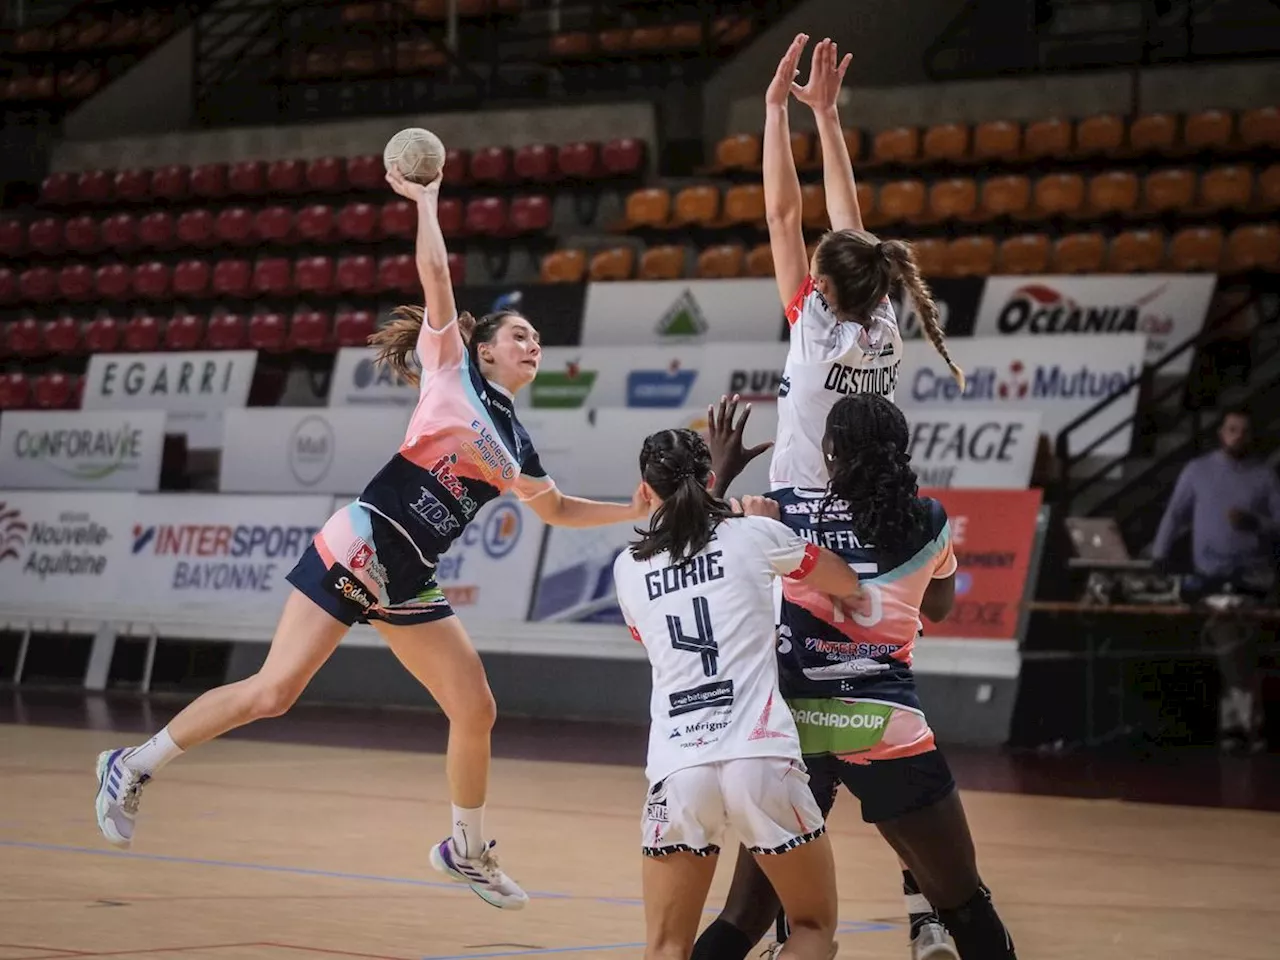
{"x": 845, "y": 671}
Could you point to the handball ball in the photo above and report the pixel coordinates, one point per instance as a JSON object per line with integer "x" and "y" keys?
{"x": 418, "y": 153}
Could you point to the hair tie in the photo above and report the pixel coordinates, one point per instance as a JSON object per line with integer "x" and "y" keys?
{"x": 882, "y": 250}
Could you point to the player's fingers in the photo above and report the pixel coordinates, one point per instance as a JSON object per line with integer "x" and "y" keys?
{"x": 844, "y": 65}
{"x": 758, "y": 449}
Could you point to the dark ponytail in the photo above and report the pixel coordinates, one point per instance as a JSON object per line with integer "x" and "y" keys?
{"x": 677, "y": 465}
{"x": 866, "y": 444}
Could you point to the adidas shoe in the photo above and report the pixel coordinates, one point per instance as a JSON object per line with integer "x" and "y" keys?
{"x": 119, "y": 789}
{"x": 482, "y": 874}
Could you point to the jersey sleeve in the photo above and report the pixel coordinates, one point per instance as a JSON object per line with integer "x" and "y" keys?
{"x": 627, "y": 618}
{"x": 533, "y": 480}
{"x": 944, "y": 560}
{"x": 787, "y": 554}
{"x": 441, "y": 349}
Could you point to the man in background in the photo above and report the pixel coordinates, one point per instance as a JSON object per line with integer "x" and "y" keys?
{"x": 1231, "y": 500}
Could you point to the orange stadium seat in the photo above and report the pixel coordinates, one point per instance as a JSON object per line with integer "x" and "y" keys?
{"x": 1255, "y": 246}
{"x": 953, "y": 199}
{"x": 1049, "y": 138}
{"x": 184, "y": 332}
{"x": 932, "y": 257}
{"x": 721, "y": 262}
{"x": 802, "y": 148}
{"x": 741, "y": 151}
{"x": 309, "y": 330}
{"x": 1170, "y": 190}
{"x": 685, "y": 36}
{"x": 563, "y": 266}
{"x": 813, "y": 206}
{"x": 1226, "y": 188}
{"x": 867, "y": 198}
{"x": 760, "y": 261}
{"x": 1079, "y": 253}
{"x": 1153, "y": 133}
{"x": 662, "y": 263}
{"x": 141, "y": 334}
{"x": 997, "y": 140}
{"x": 1136, "y": 251}
{"x": 744, "y": 204}
{"x": 195, "y": 228}
{"x": 1269, "y": 187}
{"x": 852, "y": 143}
{"x": 1113, "y": 192}
{"x": 896, "y": 145}
{"x": 616, "y": 263}
{"x": 650, "y": 38}
{"x": 901, "y": 200}
{"x": 1099, "y": 136}
{"x": 650, "y": 207}
{"x": 946, "y": 142}
{"x": 1208, "y": 130}
{"x": 1260, "y": 128}
{"x": 1195, "y": 249}
{"x": 1024, "y": 254}
{"x": 151, "y": 280}
{"x": 1059, "y": 194}
{"x": 699, "y": 206}
{"x": 1006, "y": 196}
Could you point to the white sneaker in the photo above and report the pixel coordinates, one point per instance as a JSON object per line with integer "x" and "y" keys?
{"x": 119, "y": 789}
{"x": 482, "y": 874}
{"x": 772, "y": 951}
{"x": 931, "y": 943}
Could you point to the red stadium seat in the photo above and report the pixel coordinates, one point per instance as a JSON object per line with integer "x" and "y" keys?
{"x": 62, "y": 336}
{"x": 531, "y": 214}
{"x": 191, "y": 278}
{"x": 13, "y": 238}
{"x": 58, "y": 188}
{"x": 313, "y": 275}
{"x": 309, "y": 330}
{"x": 95, "y": 186}
{"x": 315, "y": 223}
{"x": 325, "y": 174}
{"x": 234, "y": 226}
{"x": 246, "y": 178}
{"x": 113, "y": 281}
{"x": 53, "y": 391}
{"x": 209, "y": 180}
{"x": 120, "y": 232}
{"x": 366, "y": 173}
{"x": 195, "y": 228}
{"x": 536, "y": 162}
{"x": 141, "y": 334}
{"x": 226, "y": 331}
{"x": 170, "y": 183}
{"x": 398, "y": 273}
{"x": 8, "y": 286}
{"x": 457, "y": 167}
{"x": 232, "y": 278}
{"x": 286, "y": 176}
{"x": 102, "y": 335}
{"x": 23, "y": 338}
{"x": 81, "y": 234}
{"x": 486, "y": 216}
{"x": 184, "y": 332}
{"x": 457, "y": 269}
{"x": 268, "y": 331}
{"x": 273, "y": 276}
{"x": 356, "y": 274}
{"x": 156, "y": 230}
{"x": 15, "y": 391}
{"x": 399, "y": 219}
{"x": 151, "y": 280}
{"x": 352, "y": 328}
{"x": 45, "y": 235}
{"x": 449, "y": 215}
{"x": 579, "y": 161}
{"x": 75, "y": 282}
{"x": 38, "y": 284}
{"x": 358, "y": 221}
{"x": 274, "y": 224}
{"x": 491, "y": 165}
{"x": 624, "y": 157}
{"x": 133, "y": 186}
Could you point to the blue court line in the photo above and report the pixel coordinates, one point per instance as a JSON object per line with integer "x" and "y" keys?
{"x": 536, "y": 952}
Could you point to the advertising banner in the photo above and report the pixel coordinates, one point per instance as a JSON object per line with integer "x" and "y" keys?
{"x": 1165, "y": 308}
{"x": 992, "y": 532}
{"x": 666, "y": 312}
{"x": 64, "y": 550}
{"x": 219, "y": 554}
{"x": 357, "y": 381}
{"x": 957, "y": 301}
{"x": 972, "y": 448}
{"x": 81, "y": 450}
{"x": 193, "y": 388}
{"x": 554, "y": 309}
{"x": 308, "y": 449}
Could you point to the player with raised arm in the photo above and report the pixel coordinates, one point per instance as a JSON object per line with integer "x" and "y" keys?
{"x": 696, "y": 590}
{"x": 374, "y": 561}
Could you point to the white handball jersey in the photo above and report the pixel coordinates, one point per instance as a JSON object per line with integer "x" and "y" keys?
{"x": 707, "y": 625}
{"x": 827, "y": 359}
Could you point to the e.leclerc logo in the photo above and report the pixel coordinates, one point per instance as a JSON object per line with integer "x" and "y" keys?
{"x": 1018, "y": 381}
{"x": 660, "y": 388}
{"x": 220, "y": 557}
{"x": 501, "y": 530}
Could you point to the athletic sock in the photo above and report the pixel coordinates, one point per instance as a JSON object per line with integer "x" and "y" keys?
{"x": 151, "y": 757}
{"x": 976, "y": 929}
{"x": 721, "y": 941}
{"x": 468, "y": 831}
{"x": 919, "y": 910}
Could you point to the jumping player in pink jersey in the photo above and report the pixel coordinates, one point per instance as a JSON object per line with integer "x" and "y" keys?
{"x": 374, "y": 560}
{"x": 845, "y": 672}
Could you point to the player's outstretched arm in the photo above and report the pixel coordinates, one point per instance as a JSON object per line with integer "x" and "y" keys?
{"x": 559, "y": 510}
{"x": 724, "y": 436}
{"x": 826, "y": 75}
{"x": 781, "y": 183}
{"x": 430, "y": 253}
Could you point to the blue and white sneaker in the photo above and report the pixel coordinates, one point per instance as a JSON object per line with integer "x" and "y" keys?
{"x": 118, "y": 791}
{"x": 482, "y": 874}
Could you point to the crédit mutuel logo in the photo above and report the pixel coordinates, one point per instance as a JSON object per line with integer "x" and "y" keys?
{"x": 85, "y": 454}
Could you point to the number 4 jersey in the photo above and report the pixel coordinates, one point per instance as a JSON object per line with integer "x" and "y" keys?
{"x": 707, "y": 625}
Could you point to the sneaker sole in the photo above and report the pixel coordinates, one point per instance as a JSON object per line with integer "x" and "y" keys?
{"x": 101, "y": 802}
{"x": 438, "y": 864}
{"x": 939, "y": 951}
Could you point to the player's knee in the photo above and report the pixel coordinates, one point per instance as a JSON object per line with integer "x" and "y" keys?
{"x": 271, "y": 698}
{"x": 819, "y": 917}
{"x": 476, "y": 712}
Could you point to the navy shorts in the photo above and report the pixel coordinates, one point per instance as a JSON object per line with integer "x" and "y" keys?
{"x": 887, "y": 789}
{"x": 359, "y": 569}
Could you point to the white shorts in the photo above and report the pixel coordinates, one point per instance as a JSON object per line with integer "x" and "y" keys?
{"x": 765, "y": 799}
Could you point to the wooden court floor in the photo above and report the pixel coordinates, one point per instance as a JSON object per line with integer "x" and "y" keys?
{"x": 284, "y": 852}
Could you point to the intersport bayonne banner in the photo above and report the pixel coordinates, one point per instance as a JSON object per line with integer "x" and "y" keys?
{"x": 193, "y": 388}
{"x": 1166, "y": 308}
{"x": 81, "y": 450}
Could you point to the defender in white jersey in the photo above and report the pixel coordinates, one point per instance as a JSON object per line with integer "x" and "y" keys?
{"x": 696, "y": 590}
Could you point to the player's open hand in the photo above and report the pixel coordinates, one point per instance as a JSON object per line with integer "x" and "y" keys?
{"x": 788, "y": 69}
{"x": 826, "y": 75}
{"x": 410, "y": 189}
{"x": 724, "y": 436}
